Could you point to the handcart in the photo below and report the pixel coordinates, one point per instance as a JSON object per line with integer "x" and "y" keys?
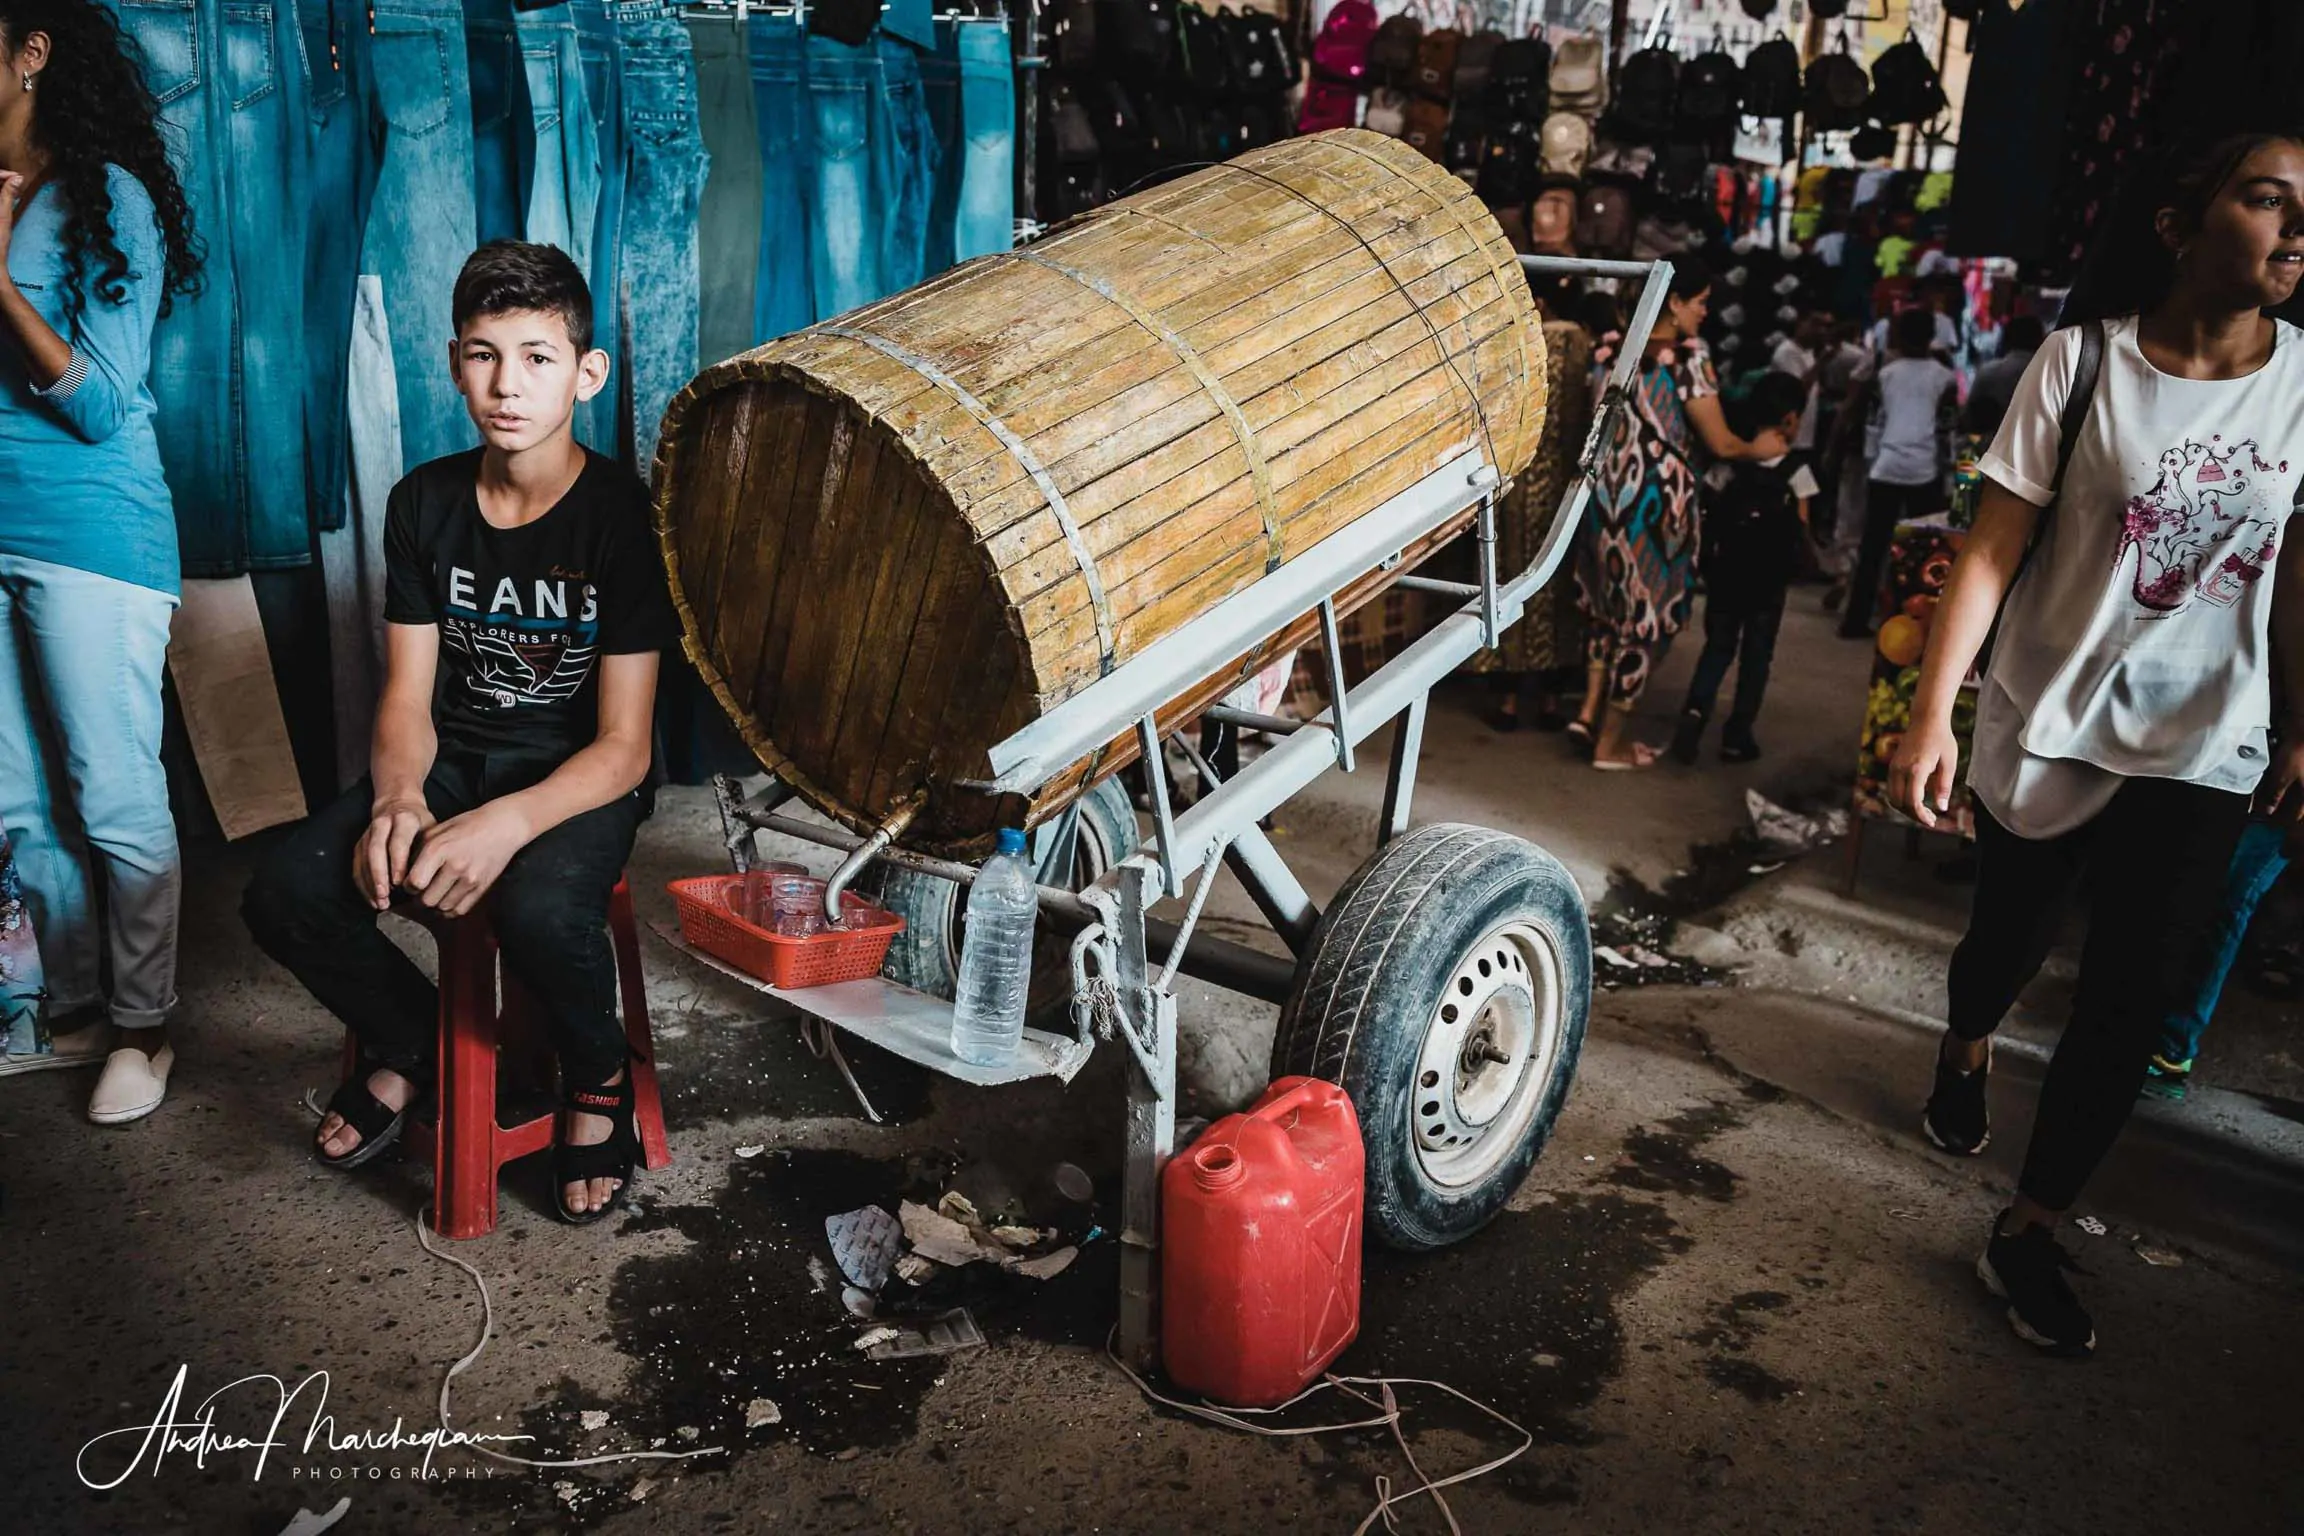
{"x": 1446, "y": 987}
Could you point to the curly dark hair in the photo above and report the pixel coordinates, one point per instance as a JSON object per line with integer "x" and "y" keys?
{"x": 91, "y": 109}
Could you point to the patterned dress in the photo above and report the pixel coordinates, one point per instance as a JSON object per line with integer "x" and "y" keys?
{"x": 1636, "y": 557}
{"x": 1548, "y": 636}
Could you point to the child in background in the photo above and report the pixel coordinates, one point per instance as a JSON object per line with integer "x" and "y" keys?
{"x": 1912, "y": 399}
{"x": 1753, "y": 528}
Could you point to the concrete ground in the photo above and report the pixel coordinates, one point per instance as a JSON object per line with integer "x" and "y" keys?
{"x": 1734, "y": 1295}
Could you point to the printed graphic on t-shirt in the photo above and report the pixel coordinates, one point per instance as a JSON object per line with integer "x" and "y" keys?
{"x": 2198, "y": 532}
{"x": 522, "y": 648}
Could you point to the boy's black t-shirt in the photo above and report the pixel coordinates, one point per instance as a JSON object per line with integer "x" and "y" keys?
{"x": 525, "y": 613}
{"x": 1752, "y": 529}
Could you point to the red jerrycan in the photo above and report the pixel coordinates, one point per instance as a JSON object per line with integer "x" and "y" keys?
{"x": 1260, "y": 1246}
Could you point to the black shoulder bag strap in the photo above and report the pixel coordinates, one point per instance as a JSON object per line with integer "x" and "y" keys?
{"x": 2069, "y": 421}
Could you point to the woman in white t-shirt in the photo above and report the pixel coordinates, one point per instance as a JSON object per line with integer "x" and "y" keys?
{"x": 2125, "y": 715}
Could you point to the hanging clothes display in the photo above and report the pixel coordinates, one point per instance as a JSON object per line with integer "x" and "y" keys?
{"x": 2124, "y": 61}
{"x": 2012, "y": 129}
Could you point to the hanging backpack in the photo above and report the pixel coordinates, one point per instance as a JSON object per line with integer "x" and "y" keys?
{"x": 1427, "y": 130}
{"x": 1472, "y": 63}
{"x": 1270, "y": 40}
{"x": 1340, "y": 52}
{"x": 1771, "y": 80}
{"x": 1711, "y": 92}
{"x": 1435, "y": 74}
{"x": 1579, "y": 77}
{"x": 1647, "y": 95}
{"x": 1905, "y": 88}
{"x": 1605, "y": 220}
{"x": 1759, "y": 10}
{"x": 1207, "y": 64}
{"x": 1387, "y": 112}
{"x": 1510, "y": 165}
{"x": 1837, "y": 91}
{"x": 1071, "y": 127}
{"x": 1467, "y": 137}
{"x": 1519, "y": 88}
{"x": 1392, "y": 56}
{"x": 1567, "y": 144}
{"x": 1552, "y": 219}
{"x": 1328, "y": 105}
{"x": 1872, "y": 142}
{"x": 1136, "y": 40}
{"x": 1828, "y": 10}
{"x": 1073, "y": 38}
{"x": 1244, "y": 61}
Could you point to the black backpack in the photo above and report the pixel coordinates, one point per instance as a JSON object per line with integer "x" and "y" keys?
{"x": 1207, "y": 65}
{"x": 1872, "y": 142}
{"x": 1472, "y": 64}
{"x": 1711, "y": 90}
{"x": 1269, "y": 40}
{"x": 1392, "y": 54}
{"x": 1073, "y": 40}
{"x": 1511, "y": 163}
{"x": 1759, "y": 10}
{"x": 1905, "y": 88}
{"x": 1771, "y": 82}
{"x": 1647, "y": 95}
{"x": 1520, "y": 80}
{"x": 1837, "y": 91}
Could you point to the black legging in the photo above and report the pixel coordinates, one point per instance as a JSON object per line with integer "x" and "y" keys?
{"x": 2153, "y": 863}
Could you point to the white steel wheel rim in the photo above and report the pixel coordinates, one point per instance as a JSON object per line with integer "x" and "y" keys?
{"x": 1490, "y": 1047}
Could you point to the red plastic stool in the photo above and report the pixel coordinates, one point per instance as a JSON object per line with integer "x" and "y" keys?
{"x": 468, "y": 1142}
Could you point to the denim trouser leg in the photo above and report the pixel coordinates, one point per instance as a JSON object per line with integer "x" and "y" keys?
{"x": 549, "y": 909}
{"x": 985, "y": 215}
{"x": 267, "y": 147}
{"x": 785, "y": 293}
{"x": 940, "y": 90}
{"x": 600, "y": 422}
{"x": 82, "y": 791}
{"x": 194, "y": 377}
{"x": 2256, "y": 866}
{"x": 341, "y": 180}
{"x": 22, "y": 981}
{"x": 728, "y": 218}
{"x": 564, "y": 188}
{"x": 845, "y": 219}
{"x": 420, "y": 226}
{"x": 503, "y": 134}
{"x": 664, "y": 170}
{"x": 904, "y": 166}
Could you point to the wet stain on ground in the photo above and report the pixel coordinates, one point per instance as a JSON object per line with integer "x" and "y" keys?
{"x": 1733, "y": 1374}
{"x": 741, "y": 1314}
{"x": 1522, "y": 1316}
{"x": 723, "y": 1059}
{"x": 1735, "y": 1325}
{"x": 1664, "y": 1159}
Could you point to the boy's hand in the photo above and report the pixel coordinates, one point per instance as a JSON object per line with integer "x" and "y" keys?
{"x": 1927, "y": 763}
{"x": 463, "y": 855}
{"x": 380, "y": 860}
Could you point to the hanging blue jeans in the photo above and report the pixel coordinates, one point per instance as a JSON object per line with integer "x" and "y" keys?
{"x": 664, "y": 174}
{"x": 784, "y": 296}
{"x": 728, "y": 219}
{"x": 420, "y": 228}
{"x": 194, "y": 379}
{"x": 984, "y": 218}
{"x": 82, "y": 794}
{"x": 268, "y": 190}
{"x": 875, "y": 171}
{"x": 341, "y": 182}
{"x": 2256, "y": 865}
{"x": 564, "y": 180}
{"x": 906, "y": 172}
{"x": 503, "y": 133}
{"x": 600, "y": 423}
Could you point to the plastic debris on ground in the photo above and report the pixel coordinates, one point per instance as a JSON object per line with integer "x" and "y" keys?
{"x": 949, "y": 1334}
{"x": 1786, "y": 832}
{"x": 307, "y": 1523}
{"x": 865, "y": 1243}
{"x": 819, "y": 1278}
{"x": 2159, "y": 1258}
{"x": 593, "y": 1418}
{"x": 1048, "y": 1266}
{"x": 2090, "y": 1225}
{"x": 750, "y": 1151}
{"x": 860, "y": 1303}
{"x": 1073, "y": 1183}
{"x": 760, "y": 1412}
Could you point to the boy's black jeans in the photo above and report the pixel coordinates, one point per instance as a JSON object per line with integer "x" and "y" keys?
{"x": 1740, "y": 625}
{"x": 549, "y": 909}
{"x": 2153, "y": 863}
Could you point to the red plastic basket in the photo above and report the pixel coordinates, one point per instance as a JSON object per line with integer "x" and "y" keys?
{"x": 784, "y": 962}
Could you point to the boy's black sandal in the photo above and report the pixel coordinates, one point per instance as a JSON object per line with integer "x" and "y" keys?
{"x": 614, "y": 1158}
{"x": 378, "y": 1124}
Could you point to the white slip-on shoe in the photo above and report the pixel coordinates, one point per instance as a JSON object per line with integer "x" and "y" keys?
{"x": 132, "y": 1086}
{"x": 83, "y": 1047}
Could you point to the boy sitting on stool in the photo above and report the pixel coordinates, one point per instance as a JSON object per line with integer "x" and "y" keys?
{"x": 525, "y": 606}
{"x": 1753, "y": 526}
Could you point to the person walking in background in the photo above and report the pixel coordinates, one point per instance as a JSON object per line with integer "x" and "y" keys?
{"x": 2125, "y": 716}
{"x": 1754, "y": 526}
{"x": 2257, "y": 864}
{"x": 95, "y": 240}
{"x": 1636, "y": 556}
{"x": 1995, "y": 382}
{"x": 1909, "y": 404}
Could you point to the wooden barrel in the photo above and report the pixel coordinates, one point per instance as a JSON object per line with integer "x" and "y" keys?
{"x": 897, "y": 537}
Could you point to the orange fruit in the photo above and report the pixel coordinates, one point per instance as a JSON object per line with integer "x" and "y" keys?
{"x": 1902, "y": 640}
{"x": 1921, "y": 606}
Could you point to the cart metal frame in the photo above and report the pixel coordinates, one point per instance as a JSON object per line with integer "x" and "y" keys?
{"x": 1124, "y": 962}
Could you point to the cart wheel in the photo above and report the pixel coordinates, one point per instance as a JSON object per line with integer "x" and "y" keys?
{"x": 926, "y": 955}
{"x": 1446, "y": 992}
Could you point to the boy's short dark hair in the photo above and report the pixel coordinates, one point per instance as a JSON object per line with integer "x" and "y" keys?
{"x": 1914, "y": 332}
{"x": 505, "y": 276}
{"x": 1773, "y": 397}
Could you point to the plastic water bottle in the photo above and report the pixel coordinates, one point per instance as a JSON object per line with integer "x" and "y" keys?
{"x": 996, "y": 957}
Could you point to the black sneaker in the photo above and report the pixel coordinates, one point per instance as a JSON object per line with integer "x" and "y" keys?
{"x": 1956, "y": 1118}
{"x": 1737, "y": 744}
{"x": 2027, "y": 1272}
{"x": 1688, "y": 735}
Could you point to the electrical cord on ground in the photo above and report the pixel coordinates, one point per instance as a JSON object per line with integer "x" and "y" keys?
{"x": 1388, "y": 1417}
{"x": 488, "y": 1331}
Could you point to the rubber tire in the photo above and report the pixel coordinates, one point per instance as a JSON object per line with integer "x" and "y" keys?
{"x": 1372, "y": 982}
{"x": 926, "y": 955}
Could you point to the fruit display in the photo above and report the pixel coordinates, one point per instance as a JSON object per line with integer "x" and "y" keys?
{"x": 1919, "y": 563}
